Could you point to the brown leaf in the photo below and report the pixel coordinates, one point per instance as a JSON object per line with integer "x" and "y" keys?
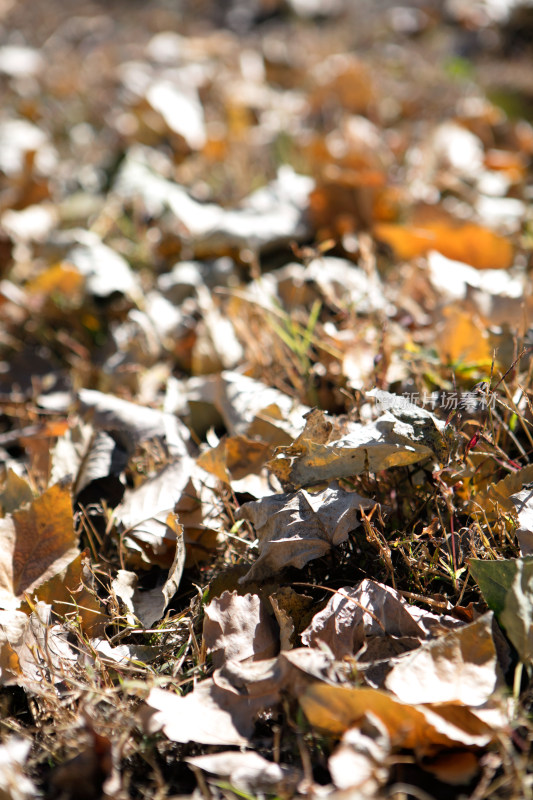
{"x": 353, "y": 614}
{"x": 369, "y": 611}
{"x": 404, "y": 435}
{"x": 149, "y": 606}
{"x": 292, "y": 611}
{"x": 208, "y": 715}
{"x": 39, "y": 542}
{"x": 335, "y": 709}
{"x": 298, "y": 527}
{"x": 134, "y": 423}
{"x": 463, "y": 338}
{"x": 237, "y": 628}
{"x": 460, "y": 667}
{"x": 235, "y": 457}
{"x": 71, "y": 595}
{"x": 14, "y": 782}
{"x": 180, "y": 487}
{"x": 33, "y": 651}
{"x": 15, "y": 493}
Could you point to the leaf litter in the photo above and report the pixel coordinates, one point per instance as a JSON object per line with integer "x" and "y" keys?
{"x": 266, "y": 400}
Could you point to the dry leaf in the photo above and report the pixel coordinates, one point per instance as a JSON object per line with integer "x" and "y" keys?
{"x": 248, "y": 772}
{"x": 146, "y": 514}
{"x": 466, "y": 242}
{"x": 149, "y": 606}
{"x": 424, "y": 729}
{"x": 404, "y": 435}
{"x": 71, "y": 595}
{"x": 298, "y": 527}
{"x": 15, "y": 493}
{"x": 34, "y": 652}
{"x": 238, "y": 627}
{"x": 292, "y": 611}
{"x": 353, "y": 615}
{"x": 460, "y": 667}
{"x": 208, "y": 715}
{"x": 132, "y": 422}
{"x": 462, "y": 338}
{"x": 360, "y": 759}
{"x": 14, "y": 783}
{"x": 39, "y": 542}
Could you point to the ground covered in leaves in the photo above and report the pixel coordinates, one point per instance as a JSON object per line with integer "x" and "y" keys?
{"x": 265, "y": 399}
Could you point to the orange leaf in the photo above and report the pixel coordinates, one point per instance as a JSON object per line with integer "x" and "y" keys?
{"x": 467, "y": 242}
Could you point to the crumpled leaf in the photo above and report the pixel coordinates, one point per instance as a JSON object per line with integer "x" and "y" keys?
{"x": 360, "y": 759}
{"x": 132, "y": 422}
{"x": 370, "y": 609}
{"x": 460, "y": 667}
{"x": 14, "y": 783}
{"x": 15, "y": 493}
{"x": 145, "y": 513}
{"x": 150, "y": 605}
{"x": 248, "y": 772}
{"x": 424, "y": 729}
{"x": 85, "y": 455}
{"x": 297, "y": 527}
{"x": 33, "y": 650}
{"x": 234, "y": 458}
{"x": 292, "y": 611}
{"x": 507, "y": 587}
{"x": 208, "y": 715}
{"x": 238, "y": 627}
{"x": 38, "y": 542}
{"x": 71, "y": 595}
{"x": 498, "y": 497}
{"x": 404, "y": 435}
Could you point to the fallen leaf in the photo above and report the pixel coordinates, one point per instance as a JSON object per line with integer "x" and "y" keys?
{"x": 354, "y": 614}
{"x": 149, "y": 606}
{"x": 463, "y": 338}
{"x": 34, "y": 652}
{"x": 297, "y": 527}
{"x": 15, "y": 493}
{"x": 292, "y": 611}
{"x": 14, "y": 782}
{"x": 454, "y": 768}
{"x": 404, "y": 435}
{"x": 133, "y": 423}
{"x": 146, "y": 514}
{"x": 360, "y": 760}
{"x": 460, "y": 667}
{"x": 238, "y": 627}
{"x": 39, "y": 542}
{"x": 424, "y": 729}
{"x": 207, "y": 715}
{"x": 248, "y": 772}
{"x": 71, "y": 595}
{"x": 466, "y": 242}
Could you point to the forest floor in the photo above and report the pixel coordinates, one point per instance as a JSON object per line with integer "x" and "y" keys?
{"x": 266, "y": 423}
